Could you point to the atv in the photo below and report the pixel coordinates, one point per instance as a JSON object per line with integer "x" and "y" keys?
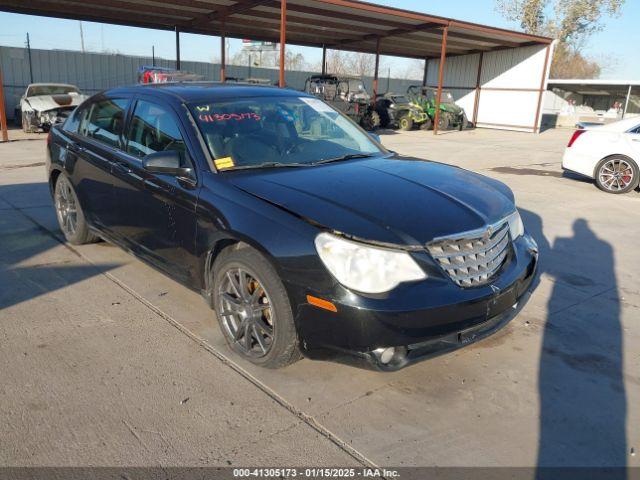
{"x": 346, "y": 94}
{"x": 396, "y": 111}
{"x": 451, "y": 115}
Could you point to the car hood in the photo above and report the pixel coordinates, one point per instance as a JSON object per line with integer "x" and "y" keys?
{"x": 396, "y": 201}
{"x": 42, "y": 103}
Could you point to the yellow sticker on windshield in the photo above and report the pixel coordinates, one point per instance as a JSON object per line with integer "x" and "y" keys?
{"x": 223, "y": 163}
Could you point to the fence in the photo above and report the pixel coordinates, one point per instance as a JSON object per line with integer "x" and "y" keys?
{"x": 93, "y": 72}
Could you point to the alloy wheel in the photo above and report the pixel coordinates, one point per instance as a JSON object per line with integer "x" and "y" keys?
{"x": 66, "y": 208}
{"x": 246, "y": 312}
{"x": 616, "y": 174}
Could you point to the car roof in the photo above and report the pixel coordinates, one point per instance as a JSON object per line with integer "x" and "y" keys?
{"x": 46, "y": 84}
{"x": 188, "y": 92}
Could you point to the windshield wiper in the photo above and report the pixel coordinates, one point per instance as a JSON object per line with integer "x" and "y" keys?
{"x": 270, "y": 165}
{"x": 349, "y": 156}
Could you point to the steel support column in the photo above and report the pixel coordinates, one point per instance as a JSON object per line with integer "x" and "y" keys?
{"x": 476, "y": 103}
{"x": 283, "y": 40}
{"x": 3, "y": 113}
{"x": 443, "y": 57}
{"x": 324, "y": 59}
{"x": 426, "y": 72}
{"x": 177, "y": 48}
{"x": 223, "y": 54}
{"x": 626, "y": 103}
{"x": 375, "y": 73}
{"x": 536, "y": 125}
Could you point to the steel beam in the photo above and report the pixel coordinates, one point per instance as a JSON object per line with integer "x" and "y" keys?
{"x": 177, "y": 47}
{"x": 443, "y": 57}
{"x": 626, "y": 103}
{"x": 223, "y": 55}
{"x": 375, "y": 72}
{"x": 476, "y": 103}
{"x": 3, "y": 113}
{"x": 324, "y": 59}
{"x": 283, "y": 40}
{"x": 537, "y": 121}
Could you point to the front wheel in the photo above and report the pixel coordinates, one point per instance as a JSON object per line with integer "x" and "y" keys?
{"x": 253, "y": 308}
{"x": 406, "y": 123}
{"x": 617, "y": 174}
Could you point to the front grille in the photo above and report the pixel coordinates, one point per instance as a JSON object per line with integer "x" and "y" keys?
{"x": 472, "y": 259}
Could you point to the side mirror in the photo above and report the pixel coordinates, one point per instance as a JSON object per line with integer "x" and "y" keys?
{"x": 375, "y": 137}
{"x": 167, "y": 162}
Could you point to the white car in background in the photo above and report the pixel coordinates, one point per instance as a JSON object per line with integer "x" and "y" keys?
{"x": 45, "y": 104}
{"x": 610, "y": 154}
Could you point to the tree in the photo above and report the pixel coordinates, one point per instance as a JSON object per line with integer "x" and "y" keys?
{"x": 346, "y": 63}
{"x": 572, "y": 22}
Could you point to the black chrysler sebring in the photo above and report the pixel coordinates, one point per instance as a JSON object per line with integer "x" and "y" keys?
{"x": 302, "y": 232}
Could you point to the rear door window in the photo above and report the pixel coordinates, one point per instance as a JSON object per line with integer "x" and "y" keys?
{"x": 105, "y": 121}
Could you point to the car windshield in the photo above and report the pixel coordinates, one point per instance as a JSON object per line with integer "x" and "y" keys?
{"x": 279, "y": 131}
{"x": 38, "y": 90}
{"x": 431, "y": 94}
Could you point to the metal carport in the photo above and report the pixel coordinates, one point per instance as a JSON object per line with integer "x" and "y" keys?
{"x": 492, "y": 61}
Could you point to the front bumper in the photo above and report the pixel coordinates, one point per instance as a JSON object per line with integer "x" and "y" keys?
{"x": 426, "y": 319}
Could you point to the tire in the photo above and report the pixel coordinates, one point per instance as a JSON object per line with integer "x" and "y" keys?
{"x": 370, "y": 121}
{"x": 17, "y": 117}
{"x": 465, "y": 122}
{"x": 617, "y": 174}
{"x": 444, "y": 122}
{"x": 385, "y": 119}
{"x": 427, "y": 125}
{"x": 267, "y": 316}
{"x": 69, "y": 213}
{"x": 405, "y": 123}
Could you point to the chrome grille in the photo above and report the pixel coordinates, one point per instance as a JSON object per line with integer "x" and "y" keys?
{"x": 472, "y": 259}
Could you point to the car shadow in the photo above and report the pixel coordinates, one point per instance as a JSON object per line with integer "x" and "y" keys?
{"x": 582, "y": 396}
{"x": 27, "y": 269}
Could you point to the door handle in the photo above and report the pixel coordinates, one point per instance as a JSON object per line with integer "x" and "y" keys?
{"x": 123, "y": 167}
{"x": 74, "y": 148}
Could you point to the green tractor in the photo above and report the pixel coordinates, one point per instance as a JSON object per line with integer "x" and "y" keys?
{"x": 451, "y": 115}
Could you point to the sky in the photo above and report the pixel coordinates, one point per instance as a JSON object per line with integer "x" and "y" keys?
{"x": 616, "y": 45}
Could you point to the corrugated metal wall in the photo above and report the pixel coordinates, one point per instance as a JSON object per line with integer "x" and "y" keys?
{"x": 93, "y": 72}
{"x": 509, "y": 86}
{"x": 510, "y": 79}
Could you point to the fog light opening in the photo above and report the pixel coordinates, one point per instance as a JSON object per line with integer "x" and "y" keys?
{"x": 385, "y": 355}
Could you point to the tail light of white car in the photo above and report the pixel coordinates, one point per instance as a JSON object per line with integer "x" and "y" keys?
{"x": 576, "y": 135}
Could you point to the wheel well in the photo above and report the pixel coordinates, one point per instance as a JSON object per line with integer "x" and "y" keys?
{"x": 53, "y": 178}
{"x": 214, "y": 253}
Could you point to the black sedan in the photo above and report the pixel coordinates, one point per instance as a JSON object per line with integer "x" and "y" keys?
{"x": 302, "y": 232}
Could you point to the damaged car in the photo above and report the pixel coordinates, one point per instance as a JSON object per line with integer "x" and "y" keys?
{"x": 46, "y": 104}
{"x": 300, "y": 230}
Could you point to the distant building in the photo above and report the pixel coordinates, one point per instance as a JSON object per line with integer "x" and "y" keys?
{"x": 568, "y": 102}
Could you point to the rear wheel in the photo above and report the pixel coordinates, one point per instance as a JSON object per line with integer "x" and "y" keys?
{"x": 406, "y": 123}
{"x": 69, "y": 213}
{"x": 617, "y": 174}
{"x": 253, "y": 308}
{"x": 444, "y": 122}
{"x": 465, "y": 122}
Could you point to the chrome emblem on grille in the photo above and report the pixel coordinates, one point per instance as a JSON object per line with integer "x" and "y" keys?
{"x": 487, "y": 234}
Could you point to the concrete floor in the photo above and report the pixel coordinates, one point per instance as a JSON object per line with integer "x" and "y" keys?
{"x": 105, "y": 361}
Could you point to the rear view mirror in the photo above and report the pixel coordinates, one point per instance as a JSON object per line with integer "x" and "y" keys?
{"x": 167, "y": 162}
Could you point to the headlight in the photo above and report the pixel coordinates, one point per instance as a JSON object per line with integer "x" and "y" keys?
{"x": 365, "y": 268}
{"x": 516, "y": 227}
